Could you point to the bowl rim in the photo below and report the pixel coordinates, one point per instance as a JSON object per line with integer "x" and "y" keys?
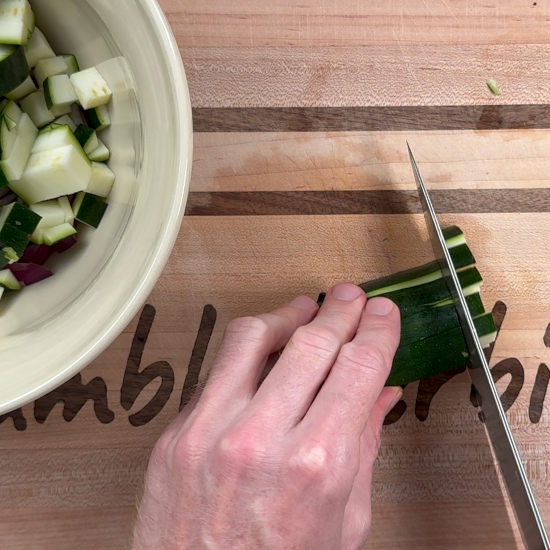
{"x": 183, "y": 137}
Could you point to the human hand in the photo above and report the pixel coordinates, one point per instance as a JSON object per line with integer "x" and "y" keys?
{"x": 287, "y": 465}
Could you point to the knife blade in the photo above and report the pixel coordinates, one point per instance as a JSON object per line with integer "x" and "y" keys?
{"x": 492, "y": 413}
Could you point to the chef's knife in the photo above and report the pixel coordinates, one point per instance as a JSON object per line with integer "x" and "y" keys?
{"x": 496, "y": 424}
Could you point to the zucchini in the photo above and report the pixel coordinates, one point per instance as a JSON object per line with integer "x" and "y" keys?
{"x": 52, "y": 173}
{"x": 28, "y": 87}
{"x": 72, "y": 63}
{"x": 13, "y": 164}
{"x": 442, "y": 352}
{"x": 89, "y": 209}
{"x": 98, "y": 118}
{"x": 432, "y": 340}
{"x": 49, "y": 67}
{"x": 87, "y": 137}
{"x": 101, "y": 181}
{"x": 17, "y": 22}
{"x": 8, "y": 280}
{"x": 35, "y": 106}
{"x": 14, "y": 68}
{"x": 91, "y": 88}
{"x": 58, "y": 91}
{"x": 38, "y": 48}
{"x": 55, "y": 234}
{"x": 101, "y": 154}
{"x": 13, "y": 242}
{"x": 20, "y": 217}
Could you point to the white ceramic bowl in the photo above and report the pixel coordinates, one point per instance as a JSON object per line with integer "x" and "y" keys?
{"x": 52, "y": 330}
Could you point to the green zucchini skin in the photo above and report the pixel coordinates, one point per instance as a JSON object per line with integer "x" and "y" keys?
{"x": 442, "y": 352}
{"x": 14, "y": 70}
{"x": 432, "y": 340}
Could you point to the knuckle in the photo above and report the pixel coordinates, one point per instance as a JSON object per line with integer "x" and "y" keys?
{"x": 189, "y": 447}
{"x": 362, "y": 358}
{"x": 239, "y": 450}
{"x": 251, "y": 328}
{"x": 318, "y": 340}
{"x": 315, "y": 465}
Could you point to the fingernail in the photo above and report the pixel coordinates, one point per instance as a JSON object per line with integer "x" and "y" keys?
{"x": 346, "y": 291}
{"x": 379, "y": 306}
{"x": 395, "y": 400}
{"x": 302, "y": 302}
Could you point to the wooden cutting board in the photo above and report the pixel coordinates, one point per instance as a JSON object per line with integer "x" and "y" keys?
{"x": 301, "y": 180}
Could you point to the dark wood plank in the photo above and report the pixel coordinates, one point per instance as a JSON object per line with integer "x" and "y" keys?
{"x": 446, "y": 201}
{"x": 402, "y": 118}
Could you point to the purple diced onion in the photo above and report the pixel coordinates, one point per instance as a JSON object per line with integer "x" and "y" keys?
{"x": 29, "y": 273}
{"x": 36, "y": 254}
{"x": 65, "y": 244}
{"x": 8, "y": 199}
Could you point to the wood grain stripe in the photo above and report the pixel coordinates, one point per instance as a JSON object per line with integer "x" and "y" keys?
{"x": 404, "y": 118}
{"x": 284, "y": 203}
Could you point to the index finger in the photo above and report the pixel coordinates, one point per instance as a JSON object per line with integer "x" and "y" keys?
{"x": 345, "y": 401}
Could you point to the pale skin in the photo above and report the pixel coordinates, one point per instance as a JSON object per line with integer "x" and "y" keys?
{"x": 286, "y": 465}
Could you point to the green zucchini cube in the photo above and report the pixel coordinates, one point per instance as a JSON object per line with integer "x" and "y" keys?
{"x": 89, "y": 209}
{"x": 12, "y": 244}
{"x": 20, "y": 217}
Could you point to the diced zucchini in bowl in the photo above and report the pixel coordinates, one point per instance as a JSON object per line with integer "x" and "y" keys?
{"x": 89, "y": 209}
{"x": 72, "y": 63}
{"x": 66, "y": 120}
{"x": 17, "y": 22}
{"x": 98, "y": 118}
{"x": 37, "y": 48}
{"x": 52, "y": 173}
{"x": 14, "y": 68}
{"x": 91, "y": 88}
{"x": 101, "y": 154}
{"x": 58, "y": 91}
{"x": 101, "y": 181}
{"x": 58, "y": 135}
{"x": 28, "y": 87}
{"x": 25, "y": 133}
{"x": 60, "y": 110}
{"x": 57, "y": 233}
{"x": 8, "y": 281}
{"x": 20, "y": 217}
{"x": 87, "y": 138}
{"x": 35, "y": 106}
{"x": 49, "y": 67}
{"x": 54, "y": 213}
{"x": 13, "y": 242}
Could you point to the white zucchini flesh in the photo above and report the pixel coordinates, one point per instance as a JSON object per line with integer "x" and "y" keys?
{"x": 38, "y": 48}
{"x": 12, "y": 111}
{"x": 59, "y": 136}
{"x": 67, "y": 209}
{"x": 51, "y": 211}
{"x": 28, "y": 87}
{"x": 52, "y": 173}
{"x": 35, "y": 106}
{"x": 17, "y": 22}
{"x": 8, "y": 280}
{"x": 49, "y": 67}
{"x": 66, "y": 120}
{"x": 58, "y": 90}
{"x": 101, "y": 154}
{"x": 91, "y": 88}
{"x": 58, "y": 233}
{"x": 14, "y": 165}
{"x": 60, "y": 110}
{"x": 101, "y": 181}
{"x": 54, "y": 213}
